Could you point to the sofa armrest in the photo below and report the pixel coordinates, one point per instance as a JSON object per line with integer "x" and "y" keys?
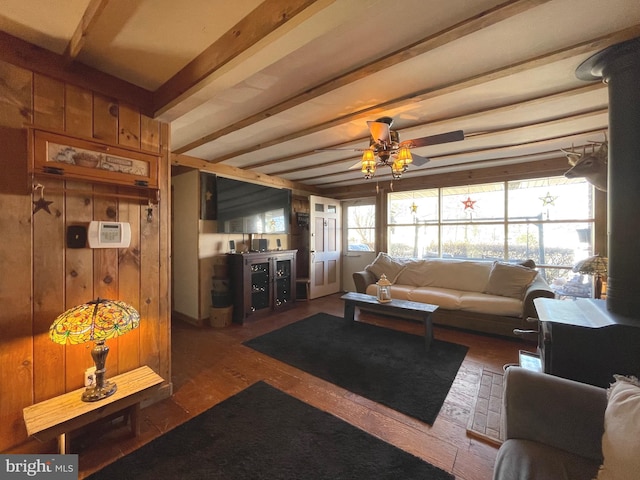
{"x": 554, "y": 411}
{"x": 363, "y": 279}
{"x": 539, "y": 288}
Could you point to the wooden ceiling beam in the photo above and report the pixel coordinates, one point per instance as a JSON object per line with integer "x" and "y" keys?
{"x": 269, "y": 16}
{"x": 450, "y": 34}
{"x": 583, "y": 48}
{"x": 233, "y": 172}
{"x": 88, "y": 20}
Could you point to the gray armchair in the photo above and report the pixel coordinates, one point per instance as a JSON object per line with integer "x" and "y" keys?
{"x": 553, "y": 428}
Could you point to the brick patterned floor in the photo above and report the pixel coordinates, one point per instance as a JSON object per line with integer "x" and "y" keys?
{"x": 485, "y": 422}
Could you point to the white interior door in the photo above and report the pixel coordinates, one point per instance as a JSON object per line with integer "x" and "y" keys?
{"x": 359, "y": 248}
{"x": 325, "y": 221}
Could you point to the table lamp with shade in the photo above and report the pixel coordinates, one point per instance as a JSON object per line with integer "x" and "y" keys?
{"x": 596, "y": 266}
{"x": 95, "y": 321}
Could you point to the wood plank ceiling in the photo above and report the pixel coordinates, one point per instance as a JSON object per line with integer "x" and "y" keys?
{"x": 261, "y": 86}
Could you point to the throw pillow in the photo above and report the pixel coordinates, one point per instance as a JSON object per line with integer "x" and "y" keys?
{"x": 621, "y": 438}
{"x": 509, "y": 280}
{"x": 528, "y": 263}
{"x": 385, "y": 264}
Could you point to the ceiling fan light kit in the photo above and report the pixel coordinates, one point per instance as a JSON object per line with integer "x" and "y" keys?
{"x": 386, "y": 150}
{"x": 368, "y": 163}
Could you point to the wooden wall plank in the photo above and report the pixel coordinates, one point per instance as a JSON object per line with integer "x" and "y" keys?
{"x": 149, "y": 134}
{"x": 48, "y": 292}
{"x": 105, "y": 119}
{"x": 129, "y": 127}
{"x": 164, "y": 262}
{"x": 129, "y": 285}
{"x": 105, "y": 265}
{"x": 78, "y": 111}
{"x": 78, "y": 279}
{"x": 150, "y": 326}
{"x": 48, "y": 261}
{"x": 16, "y": 86}
{"x": 16, "y": 346}
{"x": 14, "y": 159}
{"x": 154, "y": 263}
{"x": 48, "y": 101}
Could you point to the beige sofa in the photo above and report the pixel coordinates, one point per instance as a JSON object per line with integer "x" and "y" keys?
{"x": 489, "y": 297}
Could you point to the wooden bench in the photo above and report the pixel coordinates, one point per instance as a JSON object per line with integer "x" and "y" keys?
{"x": 59, "y": 416}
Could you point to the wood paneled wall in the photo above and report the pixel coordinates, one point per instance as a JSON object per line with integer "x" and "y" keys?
{"x": 40, "y": 277}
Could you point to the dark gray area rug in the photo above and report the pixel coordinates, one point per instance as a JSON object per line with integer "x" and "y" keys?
{"x": 262, "y": 433}
{"x": 383, "y": 365}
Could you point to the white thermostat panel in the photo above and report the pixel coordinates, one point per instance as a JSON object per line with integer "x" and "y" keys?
{"x": 109, "y": 235}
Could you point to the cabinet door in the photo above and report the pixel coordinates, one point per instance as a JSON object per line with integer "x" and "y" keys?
{"x": 284, "y": 285}
{"x": 91, "y": 161}
{"x": 260, "y": 285}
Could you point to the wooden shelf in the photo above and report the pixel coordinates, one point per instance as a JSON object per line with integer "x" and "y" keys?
{"x": 58, "y": 416}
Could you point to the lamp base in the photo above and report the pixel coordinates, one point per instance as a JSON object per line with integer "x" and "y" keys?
{"x": 93, "y": 393}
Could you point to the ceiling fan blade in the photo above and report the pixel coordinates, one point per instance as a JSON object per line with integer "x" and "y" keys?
{"x": 454, "y": 136}
{"x": 343, "y": 149}
{"x": 381, "y": 132}
{"x": 419, "y": 160}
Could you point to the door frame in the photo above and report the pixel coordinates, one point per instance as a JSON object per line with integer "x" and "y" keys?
{"x": 320, "y": 289}
{"x": 355, "y": 261}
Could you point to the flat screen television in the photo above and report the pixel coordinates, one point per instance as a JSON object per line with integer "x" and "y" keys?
{"x": 244, "y": 207}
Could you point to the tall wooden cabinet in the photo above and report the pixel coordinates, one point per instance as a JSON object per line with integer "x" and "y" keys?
{"x": 262, "y": 282}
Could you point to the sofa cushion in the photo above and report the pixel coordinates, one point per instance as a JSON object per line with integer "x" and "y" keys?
{"x": 415, "y": 273}
{"x": 490, "y": 304}
{"x": 621, "y": 438}
{"x": 509, "y": 280}
{"x": 446, "y": 298}
{"x": 456, "y": 274}
{"x": 383, "y": 263}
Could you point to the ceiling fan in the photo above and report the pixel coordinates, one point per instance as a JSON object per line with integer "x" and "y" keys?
{"x": 386, "y": 149}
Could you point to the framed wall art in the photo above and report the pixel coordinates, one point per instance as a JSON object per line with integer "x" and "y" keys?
{"x": 55, "y": 154}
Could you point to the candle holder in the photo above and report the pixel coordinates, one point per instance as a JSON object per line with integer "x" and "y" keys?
{"x": 384, "y": 289}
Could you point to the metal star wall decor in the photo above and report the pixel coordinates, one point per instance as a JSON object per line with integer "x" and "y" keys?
{"x": 548, "y": 199}
{"x": 41, "y": 203}
{"x": 468, "y": 203}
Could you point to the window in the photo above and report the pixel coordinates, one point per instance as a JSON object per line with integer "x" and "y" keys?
{"x": 549, "y": 220}
{"x": 361, "y": 227}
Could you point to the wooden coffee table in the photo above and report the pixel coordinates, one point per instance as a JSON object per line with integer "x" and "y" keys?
{"x": 399, "y": 308}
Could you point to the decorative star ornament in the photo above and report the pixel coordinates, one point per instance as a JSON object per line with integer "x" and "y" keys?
{"x": 548, "y": 199}
{"x": 468, "y": 203}
{"x": 414, "y": 207}
{"x": 42, "y": 204}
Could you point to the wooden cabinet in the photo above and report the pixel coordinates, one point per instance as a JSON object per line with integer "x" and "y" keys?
{"x": 86, "y": 160}
{"x": 262, "y": 282}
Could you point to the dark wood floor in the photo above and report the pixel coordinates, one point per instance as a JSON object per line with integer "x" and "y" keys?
{"x": 210, "y": 365}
